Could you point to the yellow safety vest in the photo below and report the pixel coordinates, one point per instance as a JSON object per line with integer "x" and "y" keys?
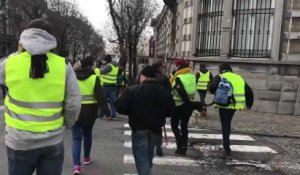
{"x": 87, "y": 90}
{"x": 189, "y": 84}
{"x": 97, "y": 72}
{"x": 111, "y": 77}
{"x": 34, "y": 105}
{"x": 203, "y": 80}
{"x": 238, "y": 85}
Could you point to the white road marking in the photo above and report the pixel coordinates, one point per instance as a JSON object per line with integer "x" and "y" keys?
{"x": 170, "y": 145}
{"x": 237, "y": 148}
{"x": 167, "y": 160}
{"x": 130, "y": 174}
{"x": 207, "y": 136}
{"x": 169, "y": 127}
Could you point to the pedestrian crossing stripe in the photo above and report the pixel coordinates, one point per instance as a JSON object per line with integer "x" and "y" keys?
{"x": 166, "y": 160}
{"x": 234, "y": 148}
{"x": 207, "y": 136}
{"x": 237, "y": 148}
{"x": 169, "y": 127}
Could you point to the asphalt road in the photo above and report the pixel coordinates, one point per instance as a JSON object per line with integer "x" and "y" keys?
{"x": 111, "y": 157}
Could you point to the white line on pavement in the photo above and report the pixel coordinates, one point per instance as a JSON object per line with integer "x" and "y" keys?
{"x": 237, "y": 148}
{"x": 207, "y": 136}
{"x": 167, "y": 160}
{"x": 170, "y": 145}
{"x": 169, "y": 127}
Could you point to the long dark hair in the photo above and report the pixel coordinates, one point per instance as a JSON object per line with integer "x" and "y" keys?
{"x": 39, "y": 66}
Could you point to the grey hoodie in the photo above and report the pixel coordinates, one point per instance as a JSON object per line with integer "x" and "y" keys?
{"x": 36, "y": 41}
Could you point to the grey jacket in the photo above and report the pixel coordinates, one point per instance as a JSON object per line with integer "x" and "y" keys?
{"x": 24, "y": 140}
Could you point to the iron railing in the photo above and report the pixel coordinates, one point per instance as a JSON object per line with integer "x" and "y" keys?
{"x": 210, "y": 23}
{"x": 252, "y": 28}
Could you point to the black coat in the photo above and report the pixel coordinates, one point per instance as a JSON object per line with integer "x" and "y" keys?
{"x": 88, "y": 112}
{"x": 147, "y": 105}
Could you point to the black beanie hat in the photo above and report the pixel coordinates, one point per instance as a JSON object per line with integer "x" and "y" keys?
{"x": 225, "y": 67}
{"x": 148, "y": 71}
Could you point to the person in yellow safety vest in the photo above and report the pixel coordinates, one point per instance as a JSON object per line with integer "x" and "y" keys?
{"x": 92, "y": 98}
{"x": 109, "y": 73}
{"x": 98, "y": 69}
{"x": 243, "y": 98}
{"x": 184, "y": 90}
{"x": 43, "y": 99}
{"x": 121, "y": 80}
{"x": 203, "y": 78}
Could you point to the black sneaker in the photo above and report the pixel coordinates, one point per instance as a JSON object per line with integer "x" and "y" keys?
{"x": 179, "y": 152}
{"x": 159, "y": 152}
{"x": 225, "y": 155}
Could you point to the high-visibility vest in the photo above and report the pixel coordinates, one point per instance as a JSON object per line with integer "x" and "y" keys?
{"x": 203, "y": 80}
{"x": 34, "y": 105}
{"x": 111, "y": 77}
{"x": 189, "y": 84}
{"x": 120, "y": 79}
{"x": 238, "y": 85}
{"x": 97, "y": 72}
{"x": 87, "y": 90}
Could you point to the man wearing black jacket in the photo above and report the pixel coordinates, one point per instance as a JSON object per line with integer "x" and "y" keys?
{"x": 147, "y": 106}
{"x": 243, "y": 97}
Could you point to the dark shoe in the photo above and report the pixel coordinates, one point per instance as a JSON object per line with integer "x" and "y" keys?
{"x": 225, "y": 155}
{"x": 180, "y": 152}
{"x": 159, "y": 152}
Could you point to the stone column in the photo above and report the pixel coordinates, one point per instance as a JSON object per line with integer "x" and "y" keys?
{"x": 226, "y": 27}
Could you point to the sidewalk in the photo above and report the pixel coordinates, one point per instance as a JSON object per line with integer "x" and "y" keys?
{"x": 254, "y": 123}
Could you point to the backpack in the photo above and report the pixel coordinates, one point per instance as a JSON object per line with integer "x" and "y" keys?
{"x": 223, "y": 95}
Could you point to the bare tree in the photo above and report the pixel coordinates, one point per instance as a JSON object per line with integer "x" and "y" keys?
{"x": 130, "y": 18}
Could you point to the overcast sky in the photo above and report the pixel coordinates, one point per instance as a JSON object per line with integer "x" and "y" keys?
{"x": 96, "y": 11}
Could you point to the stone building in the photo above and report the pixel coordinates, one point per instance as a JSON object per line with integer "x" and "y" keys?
{"x": 259, "y": 38}
{"x": 12, "y": 22}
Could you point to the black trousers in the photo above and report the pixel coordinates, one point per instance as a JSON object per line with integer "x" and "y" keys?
{"x": 226, "y": 118}
{"x": 181, "y": 114}
{"x": 202, "y": 95}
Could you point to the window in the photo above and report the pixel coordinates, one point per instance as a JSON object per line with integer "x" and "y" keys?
{"x": 210, "y": 20}
{"x": 252, "y": 28}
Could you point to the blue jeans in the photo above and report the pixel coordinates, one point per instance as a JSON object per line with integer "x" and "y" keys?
{"x": 46, "y": 161}
{"x": 78, "y": 131}
{"x": 143, "y": 143}
{"x": 111, "y": 93}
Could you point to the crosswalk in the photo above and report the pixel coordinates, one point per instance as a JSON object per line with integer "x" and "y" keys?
{"x": 206, "y": 141}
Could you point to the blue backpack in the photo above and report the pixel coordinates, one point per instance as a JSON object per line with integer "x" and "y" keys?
{"x": 223, "y": 95}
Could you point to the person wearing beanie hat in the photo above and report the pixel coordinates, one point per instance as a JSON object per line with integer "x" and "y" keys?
{"x": 242, "y": 98}
{"x": 147, "y": 106}
{"x": 184, "y": 89}
{"x": 203, "y": 78}
{"x": 109, "y": 77}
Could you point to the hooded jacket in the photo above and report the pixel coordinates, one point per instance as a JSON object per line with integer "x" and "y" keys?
{"x": 88, "y": 112}
{"x": 36, "y": 41}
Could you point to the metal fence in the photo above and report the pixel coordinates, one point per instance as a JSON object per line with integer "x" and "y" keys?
{"x": 252, "y": 28}
{"x": 210, "y": 22}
